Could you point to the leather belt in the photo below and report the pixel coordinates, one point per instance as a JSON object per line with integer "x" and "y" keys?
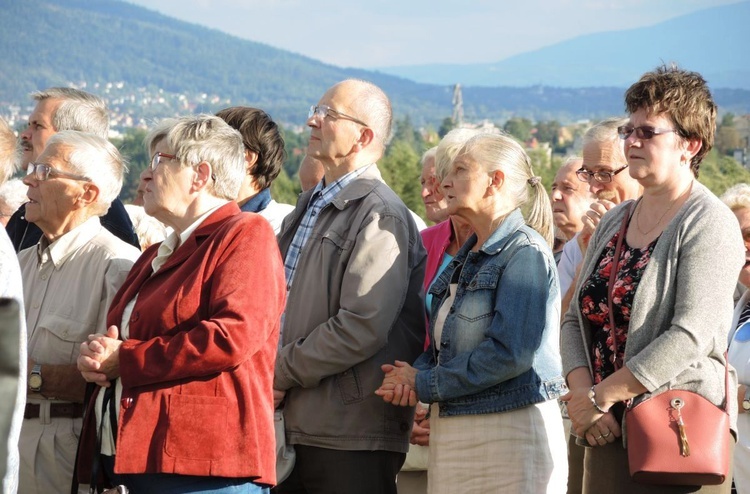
{"x": 56, "y": 410}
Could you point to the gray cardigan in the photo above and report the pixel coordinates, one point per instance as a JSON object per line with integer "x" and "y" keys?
{"x": 683, "y": 304}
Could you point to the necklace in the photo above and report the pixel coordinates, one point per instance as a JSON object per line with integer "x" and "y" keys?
{"x": 640, "y": 208}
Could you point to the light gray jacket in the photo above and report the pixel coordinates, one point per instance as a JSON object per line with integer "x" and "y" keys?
{"x": 683, "y": 304}
{"x": 356, "y": 303}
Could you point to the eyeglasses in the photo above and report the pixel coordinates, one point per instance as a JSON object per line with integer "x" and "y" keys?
{"x": 159, "y": 158}
{"x": 42, "y": 172}
{"x": 324, "y": 111}
{"x": 601, "y": 176}
{"x": 644, "y": 132}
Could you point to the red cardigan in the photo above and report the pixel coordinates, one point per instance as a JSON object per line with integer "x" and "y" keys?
{"x": 197, "y": 369}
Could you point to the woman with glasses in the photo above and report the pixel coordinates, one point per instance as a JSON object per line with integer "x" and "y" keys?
{"x": 737, "y": 198}
{"x": 186, "y": 367}
{"x": 492, "y": 371}
{"x": 673, "y": 281}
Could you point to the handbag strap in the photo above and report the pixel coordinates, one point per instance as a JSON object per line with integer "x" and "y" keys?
{"x": 611, "y": 285}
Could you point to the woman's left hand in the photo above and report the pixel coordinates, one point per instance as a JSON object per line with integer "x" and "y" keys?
{"x": 606, "y": 430}
{"x": 99, "y": 360}
{"x": 399, "y": 384}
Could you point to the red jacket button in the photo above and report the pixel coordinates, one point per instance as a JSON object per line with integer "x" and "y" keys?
{"x": 126, "y": 403}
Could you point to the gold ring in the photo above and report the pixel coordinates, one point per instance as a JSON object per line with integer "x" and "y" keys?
{"x": 599, "y": 437}
{"x": 607, "y": 434}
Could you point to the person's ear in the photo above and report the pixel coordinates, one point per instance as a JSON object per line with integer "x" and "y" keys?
{"x": 366, "y": 137}
{"x": 203, "y": 175}
{"x": 497, "y": 178}
{"x": 89, "y": 195}
{"x": 251, "y": 158}
{"x": 692, "y": 147}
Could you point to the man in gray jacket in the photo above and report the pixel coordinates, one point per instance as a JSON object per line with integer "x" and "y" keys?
{"x": 354, "y": 265}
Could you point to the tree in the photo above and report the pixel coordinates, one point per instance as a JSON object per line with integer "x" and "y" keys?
{"x": 446, "y": 126}
{"x": 519, "y": 127}
{"x": 548, "y": 132}
{"x": 134, "y": 151}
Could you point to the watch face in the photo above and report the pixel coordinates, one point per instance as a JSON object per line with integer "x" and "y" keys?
{"x": 35, "y": 381}
{"x": 746, "y": 404}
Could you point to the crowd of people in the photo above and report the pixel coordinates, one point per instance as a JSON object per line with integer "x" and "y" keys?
{"x": 186, "y": 342}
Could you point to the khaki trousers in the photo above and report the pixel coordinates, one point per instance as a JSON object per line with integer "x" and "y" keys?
{"x": 48, "y": 450}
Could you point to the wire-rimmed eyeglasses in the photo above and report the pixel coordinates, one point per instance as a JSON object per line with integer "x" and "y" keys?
{"x": 322, "y": 111}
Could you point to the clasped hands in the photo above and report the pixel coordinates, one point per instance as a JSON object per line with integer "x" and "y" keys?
{"x": 399, "y": 384}
{"x": 99, "y": 358}
{"x": 587, "y": 422}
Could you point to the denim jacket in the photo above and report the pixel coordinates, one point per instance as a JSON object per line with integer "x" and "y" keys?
{"x": 499, "y": 348}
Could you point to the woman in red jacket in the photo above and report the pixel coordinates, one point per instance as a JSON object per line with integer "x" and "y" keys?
{"x": 185, "y": 370}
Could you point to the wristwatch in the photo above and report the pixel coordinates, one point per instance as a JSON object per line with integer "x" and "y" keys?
{"x": 35, "y": 379}
{"x": 746, "y": 400}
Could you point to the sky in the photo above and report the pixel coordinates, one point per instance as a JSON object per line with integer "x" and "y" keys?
{"x": 381, "y": 33}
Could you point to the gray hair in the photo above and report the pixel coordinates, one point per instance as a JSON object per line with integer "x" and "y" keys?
{"x": 79, "y": 110}
{"x": 605, "y": 132}
{"x": 430, "y": 153}
{"x": 501, "y": 152}
{"x": 97, "y": 159}
{"x": 10, "y": 152}
{"x": 375, "y": 109}
{"x": 197, "y": 138}
{"x": 148, "y": 229}
{"x": 737, "y": 197}
{"x": 13, "y": 194}
{"x": 448, "y": 149}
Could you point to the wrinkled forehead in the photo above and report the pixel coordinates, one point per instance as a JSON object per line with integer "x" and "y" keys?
{"x": 603, "y": 156}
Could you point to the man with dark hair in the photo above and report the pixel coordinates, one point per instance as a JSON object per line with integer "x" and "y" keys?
{"x": 264, "y": 157}
{"x": 58, "y": 109}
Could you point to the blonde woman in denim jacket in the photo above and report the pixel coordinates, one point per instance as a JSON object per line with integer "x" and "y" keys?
{"x": 493, "y": 371}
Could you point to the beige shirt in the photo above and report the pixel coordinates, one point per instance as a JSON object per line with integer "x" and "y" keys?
{"x": 67, "y": 289}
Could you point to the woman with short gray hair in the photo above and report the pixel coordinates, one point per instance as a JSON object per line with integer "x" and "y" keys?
{"x": 190, "y": 347}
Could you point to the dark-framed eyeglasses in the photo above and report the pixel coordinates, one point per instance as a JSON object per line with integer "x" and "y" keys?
{"x": 42, "y": 172}
{"x": 323, "y": 111}
{"x": 603, "y": 177}
{"x": 159, "y": 158}
{"x": 644, "y": 132}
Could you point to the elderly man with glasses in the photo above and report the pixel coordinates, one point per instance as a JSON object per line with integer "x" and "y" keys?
{"x": 354, "y": 267}
{"x": 69, "y": 280}
{"x": 58, "y": 109}
{"x": 604, "y": 168}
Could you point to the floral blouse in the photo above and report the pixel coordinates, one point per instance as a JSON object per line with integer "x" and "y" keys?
{"x": 594, "y": 307}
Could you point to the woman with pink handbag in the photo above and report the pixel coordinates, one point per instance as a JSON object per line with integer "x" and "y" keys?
{"x": 647, "y": 325}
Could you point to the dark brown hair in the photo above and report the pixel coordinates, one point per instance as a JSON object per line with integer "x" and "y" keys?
{"x": 260, "y": 135}
{"x": 684, "y": 97}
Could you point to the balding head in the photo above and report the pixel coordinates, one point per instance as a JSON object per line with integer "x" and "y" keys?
{"x": 350, "y": 127}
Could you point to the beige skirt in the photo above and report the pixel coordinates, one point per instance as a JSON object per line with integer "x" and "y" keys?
{"x": 521, "y": 451}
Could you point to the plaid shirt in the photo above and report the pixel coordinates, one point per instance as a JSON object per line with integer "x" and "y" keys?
{"x": 320, "y": 198}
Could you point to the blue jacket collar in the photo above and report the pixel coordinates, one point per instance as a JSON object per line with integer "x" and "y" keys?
{"x": 258, "y": 202}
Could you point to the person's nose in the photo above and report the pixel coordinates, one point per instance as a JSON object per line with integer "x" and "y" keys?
{"x": 556, "y": 195}
{"x": 26, "y": 134}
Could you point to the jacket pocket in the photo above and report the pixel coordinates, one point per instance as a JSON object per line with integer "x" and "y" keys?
{"x": 349, "y": 386}
{"x": 197, "y": 427}
{"x": 332, "y": 237}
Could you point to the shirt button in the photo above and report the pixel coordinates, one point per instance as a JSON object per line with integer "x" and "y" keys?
{"x": 126, "y": 403}
{"x": 135, "y": 317}
{"x": 44, "y": 277}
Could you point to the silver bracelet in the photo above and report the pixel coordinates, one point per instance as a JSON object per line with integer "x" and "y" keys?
{"x": 592, "y": 397}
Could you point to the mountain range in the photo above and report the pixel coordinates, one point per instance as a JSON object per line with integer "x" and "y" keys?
{"x": 58, "y": 42}
{"x": 713, "y": 42}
